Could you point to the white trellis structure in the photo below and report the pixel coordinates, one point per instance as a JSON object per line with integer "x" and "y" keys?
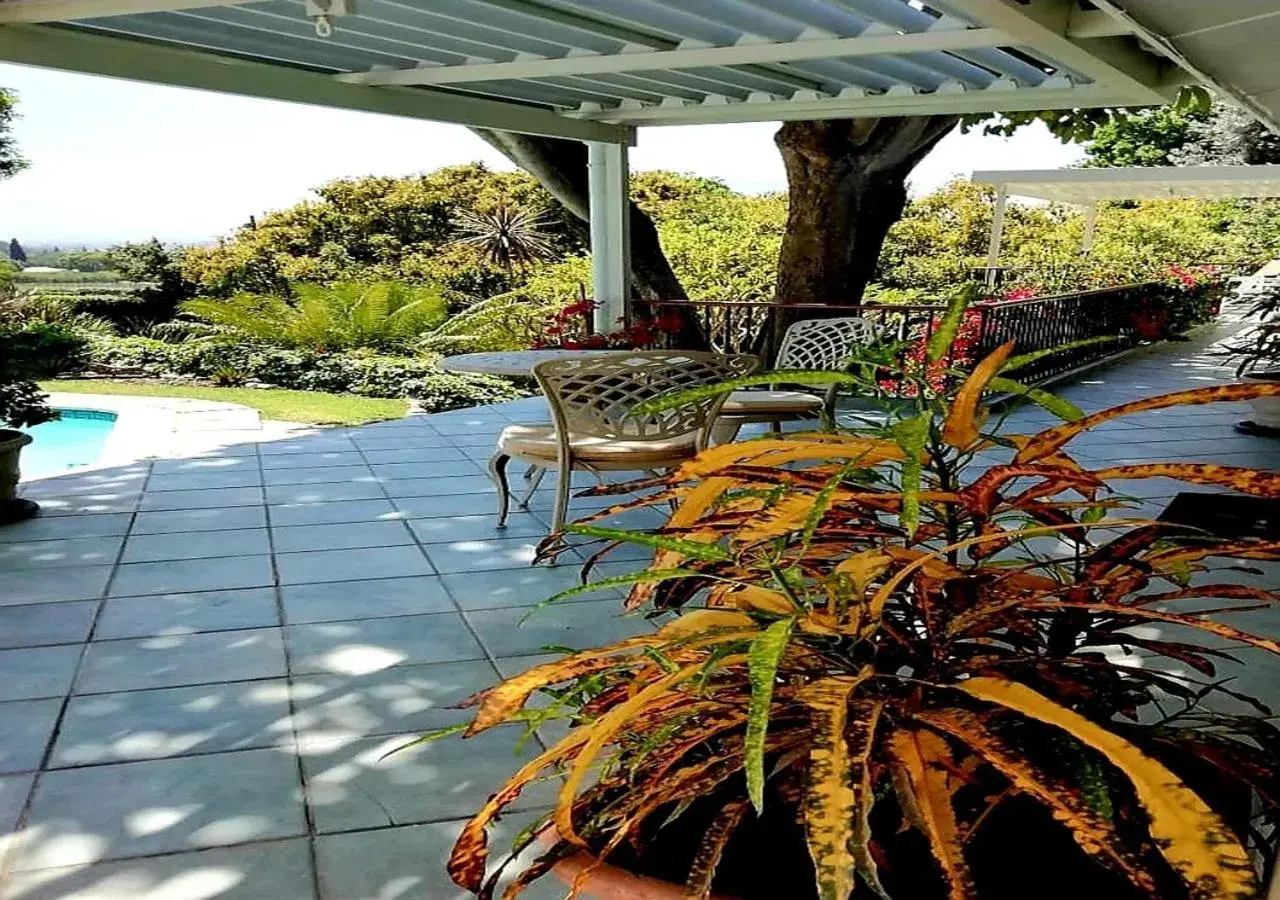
{"x": 1089, "y": 187}
{"x": 596, "y": 70}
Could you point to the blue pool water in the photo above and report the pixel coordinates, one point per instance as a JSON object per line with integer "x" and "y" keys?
{"x": 74, "y": 440}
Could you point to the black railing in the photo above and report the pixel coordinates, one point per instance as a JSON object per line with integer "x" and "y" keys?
{"x": 1089, "y": 326}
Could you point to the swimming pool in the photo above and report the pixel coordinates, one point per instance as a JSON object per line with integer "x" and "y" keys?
{"x": 75, "y": 440}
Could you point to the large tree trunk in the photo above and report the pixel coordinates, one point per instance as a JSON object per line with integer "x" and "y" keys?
{"x": 848, "y": 185}
{"x": 561, "y": 167}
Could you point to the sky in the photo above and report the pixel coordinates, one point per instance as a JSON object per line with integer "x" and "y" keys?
{"x": 115, "y": 161}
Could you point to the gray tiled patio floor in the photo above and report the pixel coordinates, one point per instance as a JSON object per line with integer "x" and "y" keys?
{"x": 203, "y": 661}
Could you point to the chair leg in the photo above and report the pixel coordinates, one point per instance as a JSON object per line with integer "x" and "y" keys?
{"x": 533, "y": 486}
{"x": 531, "y": 471}
{"x": 563, "y": 480}
{"x": 498, "y": 471}
{"x": 725, "y": 431}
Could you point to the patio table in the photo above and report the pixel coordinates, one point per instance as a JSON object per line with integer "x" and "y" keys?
{"x": 512, "y": 363}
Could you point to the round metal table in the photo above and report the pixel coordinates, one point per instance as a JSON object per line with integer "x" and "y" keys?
{"x": 512, "y": 363}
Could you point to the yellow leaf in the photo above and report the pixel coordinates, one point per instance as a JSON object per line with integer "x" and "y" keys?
{"x": 961, "y": 427}
{"x": 752, "y": 597}
{"x": 700, "y": 620}
{"x": 863, "y": 568}
{"x": 1189, "y": 834}
{"x": 1247, "y": 481}
{"x": 926, "y": 787}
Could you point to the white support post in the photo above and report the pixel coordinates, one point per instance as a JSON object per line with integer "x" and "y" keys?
{"x": 1090, "y": 226}
{"x": 997, "y": 233}
{"x": 610, "y": 232}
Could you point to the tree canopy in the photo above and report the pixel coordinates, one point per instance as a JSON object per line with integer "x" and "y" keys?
{"x": 11, "y": 161}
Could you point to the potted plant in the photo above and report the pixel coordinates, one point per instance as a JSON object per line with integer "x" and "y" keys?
{"x": 26, "y": 352}
{"x": 879, "y": 673}
{"x": 1256, "y": 352}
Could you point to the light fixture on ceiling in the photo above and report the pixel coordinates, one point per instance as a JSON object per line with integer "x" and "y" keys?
{"x": 322, "y": 12}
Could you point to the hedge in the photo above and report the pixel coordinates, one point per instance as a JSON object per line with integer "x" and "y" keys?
{"x": 364, "y": 373}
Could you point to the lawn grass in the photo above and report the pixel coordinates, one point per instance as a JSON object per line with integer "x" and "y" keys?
{"x": 311, "y": 407}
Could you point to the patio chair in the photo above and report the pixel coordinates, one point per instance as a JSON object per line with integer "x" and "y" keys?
{"x": 591, "y": 400}
{"x": 823, "y": 344}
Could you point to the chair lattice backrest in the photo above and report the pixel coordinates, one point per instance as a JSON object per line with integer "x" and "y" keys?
{"x": 593, "y": 396}
{"x": 823, "y": 344}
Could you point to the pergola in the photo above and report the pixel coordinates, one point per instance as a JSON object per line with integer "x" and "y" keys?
{"x": 1089, "y": 187}
{"x": 595, "y": 70}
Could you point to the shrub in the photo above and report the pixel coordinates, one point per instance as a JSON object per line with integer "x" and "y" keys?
{"x": 888, "y": 671}
{"x": 363, "y": 373}
{"x": 28, "y": 352}
{"x": 383, "y": 315}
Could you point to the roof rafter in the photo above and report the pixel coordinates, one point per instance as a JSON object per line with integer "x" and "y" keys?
{"x": 693, "y": 57}
{"x": 95, "y": 54}
{"x": 34, "y": 11}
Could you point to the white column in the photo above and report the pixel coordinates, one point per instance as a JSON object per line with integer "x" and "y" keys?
{"x": 610, "y": 232}
{"x": 997, "y": 234}
{"x": 1090, "y": 225}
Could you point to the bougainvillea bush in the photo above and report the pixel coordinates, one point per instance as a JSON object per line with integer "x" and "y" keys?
{"x": 884, "y": 668}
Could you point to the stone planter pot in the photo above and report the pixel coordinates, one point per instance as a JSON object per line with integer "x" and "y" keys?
{"x": 1265, "y": 418}
{"x": 12, "y": 509}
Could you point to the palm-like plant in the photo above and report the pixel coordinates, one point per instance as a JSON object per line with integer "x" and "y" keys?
{"x": 510, "y": 238}
{"x": 383, "y": 315}
{"x": 874, "y": 644}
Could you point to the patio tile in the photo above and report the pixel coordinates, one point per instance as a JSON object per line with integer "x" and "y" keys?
{"x": 13, "y": 796}
{"x": 471, "y": 528}
{"x": 161, "y": 547}
{"x": 54, "y": 585}
{"x": 85, "y": 551}
{"x": 412, "y": 455}
{"x": 319, "y": 444}
{"x": 577, "y": 625}
{"x": 167, "y": 614}
{"x": 194, "y": 481}
{"x": 25, "y": 729}
{"x": 344, "y": 536}
{"x": 201, "y": 499}
{"x": 355, "y": 784}
{"x": 351, "y": 565}
{"x": 43, "y": 528}
{"x": 312, "y": 460}
{"x": 435, "y": 468}
{"x": 448, "y": 505}
{"x": 299, "y": 474}
{"x": 335, "y": 512}
{"x": 29, "y": 674}
{"x": 410, "y": 861}
{"x": 516, "y": 587}
{"x": 390, "y": 701}
{"x": 134, "y": 725}
{"x": 173, "y": 660}
{"x": 118, "y": 811}
{"x": 199, "y": 464}
{"x": 372, "y": 599}
{"x": 361, "y": 647}
{"x": 46, "y": 623}
{"x": 187, "y": 520}
{"x": 324, "y": 493}
{"x": 94, "y": 505}
{"x": 479, "y": 483}
{"x": 278, "y": 870}
{"x": 107, "y": 482}
{"x": 371, "y": 440}
{"x": 180, "y": 576}
{"x": 478, "y": 437}
{"x": 480, "y": 556}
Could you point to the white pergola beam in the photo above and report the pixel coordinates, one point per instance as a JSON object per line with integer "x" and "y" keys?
{"x": 1045, "y": 25}
{"x": 35, "y": 11}
{"x": 95, "y": 54}
{"x": 1086, "y": 24}
{"x": 689, "y": 58}
{"x": 890, "y": 103}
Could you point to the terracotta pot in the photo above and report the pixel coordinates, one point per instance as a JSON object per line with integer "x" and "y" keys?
{"x": 11, "y": 444}
{"x": 611, "y": 882}
{"x": 1266, "y": 410}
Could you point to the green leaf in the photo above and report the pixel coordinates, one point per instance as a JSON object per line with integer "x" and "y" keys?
{"x": 910, "y": 435}
{"x": 692, "y": 549}
{"x": 787, "y": 376}
{"x": 1018, "y": 362}
{"x": 1063, "y": 409}
{"x": 945, "y": 334}
{"x": 1093, "y": 514}
{"x": 762, "y": 665}
{"x": 1192, "y": 100}
{"x": 591, "y": 587}
{"x": 428, "y": 737}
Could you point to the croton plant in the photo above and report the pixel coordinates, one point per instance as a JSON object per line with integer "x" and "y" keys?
{"x": 921, "y": 651}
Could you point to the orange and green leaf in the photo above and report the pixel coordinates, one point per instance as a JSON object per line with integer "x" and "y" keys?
{"x": 962, "y": 424}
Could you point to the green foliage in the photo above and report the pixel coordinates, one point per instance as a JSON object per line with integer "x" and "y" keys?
{"x": 382, "y": 315}
{"x": 11, "y": 162}
{"x": 511, "y": 238}
{"x": 16, "y": 253}
{"x": 155, "y": 271}
{"x": 1146, "y": 138}
{"x": 363, "y": 373}
{"x": 28, "y": 352}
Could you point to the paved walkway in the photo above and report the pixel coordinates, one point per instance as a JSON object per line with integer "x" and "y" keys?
{"x": 204, "y": 660}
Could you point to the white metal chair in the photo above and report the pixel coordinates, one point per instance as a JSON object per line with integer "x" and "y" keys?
{"x": 825, "y": 344}
{"x": 593, "y": 429}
